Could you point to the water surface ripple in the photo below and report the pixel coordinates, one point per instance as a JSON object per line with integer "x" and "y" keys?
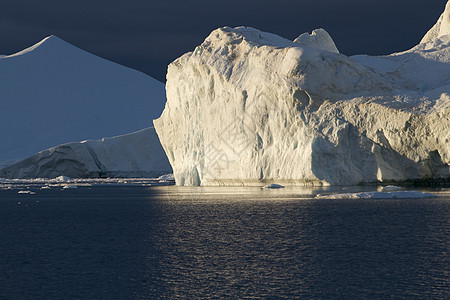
{"x": 171, "y": 242}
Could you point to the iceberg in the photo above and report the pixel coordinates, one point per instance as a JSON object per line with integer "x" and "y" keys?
{"x": 54, "y": 93}
{"x": 248, "y": 107}
{"x": 137, "y": 154}
{"x": 389, "y": 188}
{"x": 273, "y": 186}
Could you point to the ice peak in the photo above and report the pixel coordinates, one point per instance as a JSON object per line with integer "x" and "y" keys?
{"x": 441, "y": 28}
{"x": 319, "y": 39}
{"x": 227, "y": 35}
{"x": 51, "y": 41}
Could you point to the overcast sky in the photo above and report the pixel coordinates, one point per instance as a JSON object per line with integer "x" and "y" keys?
{"x": 147, "y": 35}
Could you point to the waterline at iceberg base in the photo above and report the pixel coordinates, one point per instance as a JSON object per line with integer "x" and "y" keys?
{"x": 249, "y": 108}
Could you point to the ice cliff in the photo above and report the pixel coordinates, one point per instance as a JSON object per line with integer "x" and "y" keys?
{"x": 249, "y": 108}
{"x": 56, "y": 94}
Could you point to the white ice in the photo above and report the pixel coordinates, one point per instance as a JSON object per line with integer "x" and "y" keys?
{"x": 137, "y": 154}
{"x": 248, "y": 107}
{"x": 378, "y": 195}
{"x": 54, "y": 93}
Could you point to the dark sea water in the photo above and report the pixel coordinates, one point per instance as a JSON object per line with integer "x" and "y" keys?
{"x": 131, "y": 242}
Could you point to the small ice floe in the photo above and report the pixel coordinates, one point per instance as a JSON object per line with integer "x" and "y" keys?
{"x": 166, "y": 177}
{"x": 378, "y": 195}
{"x": 389, "y": 188}
{"x": 69, "y": 186}
{"x": 26, "y": 192}
{"x": 46, "y": 187}
{"x": 61, "y": 179}
{"x": 274, "y": 186}
{"x": 83, "y": 184}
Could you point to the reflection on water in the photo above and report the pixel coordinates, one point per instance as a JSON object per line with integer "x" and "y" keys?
{"x": 243, "y": 242}
{"x": 170, "y": 242}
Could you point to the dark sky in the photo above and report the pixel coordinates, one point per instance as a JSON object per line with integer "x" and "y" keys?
{"x": 147, "y": 35}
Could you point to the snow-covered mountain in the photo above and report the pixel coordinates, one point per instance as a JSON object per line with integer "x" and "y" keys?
{"x": 249, "y": 108}
{"x": 54, "y": 93}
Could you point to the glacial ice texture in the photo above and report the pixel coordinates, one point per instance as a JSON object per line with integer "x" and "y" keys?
{"x": 137, "y": 154}
{"x": 54, "y": 93}
{"x": 251, "y": 108}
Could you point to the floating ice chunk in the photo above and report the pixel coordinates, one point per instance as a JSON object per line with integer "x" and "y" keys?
{"x": 166, "y": 177}
{"x": 26, "y": 192}
{"x": 389, "y": 188}
{"x": 70, "y": 186}
{"x": 61, "y": 179}
{"x": 274, "y": 186}
{"x": 378, "y": 195}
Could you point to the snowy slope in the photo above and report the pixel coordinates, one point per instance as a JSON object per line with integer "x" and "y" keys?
{"x": 137, "y": 154}
{"x": 250, "y": 108}
{"x": 54, "y": 93}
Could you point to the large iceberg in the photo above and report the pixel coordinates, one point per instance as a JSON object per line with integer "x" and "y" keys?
{"x": 137, "y": 154}
{"x": 251, "y": 108}
{"x": 54, "y": 93}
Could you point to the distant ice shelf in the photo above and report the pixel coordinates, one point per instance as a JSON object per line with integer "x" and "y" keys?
{"x": 36, "y": 184}
{"x": 378, "y": 195}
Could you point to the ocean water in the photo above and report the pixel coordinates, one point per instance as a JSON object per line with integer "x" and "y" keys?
{"x": 138, "y": 242}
